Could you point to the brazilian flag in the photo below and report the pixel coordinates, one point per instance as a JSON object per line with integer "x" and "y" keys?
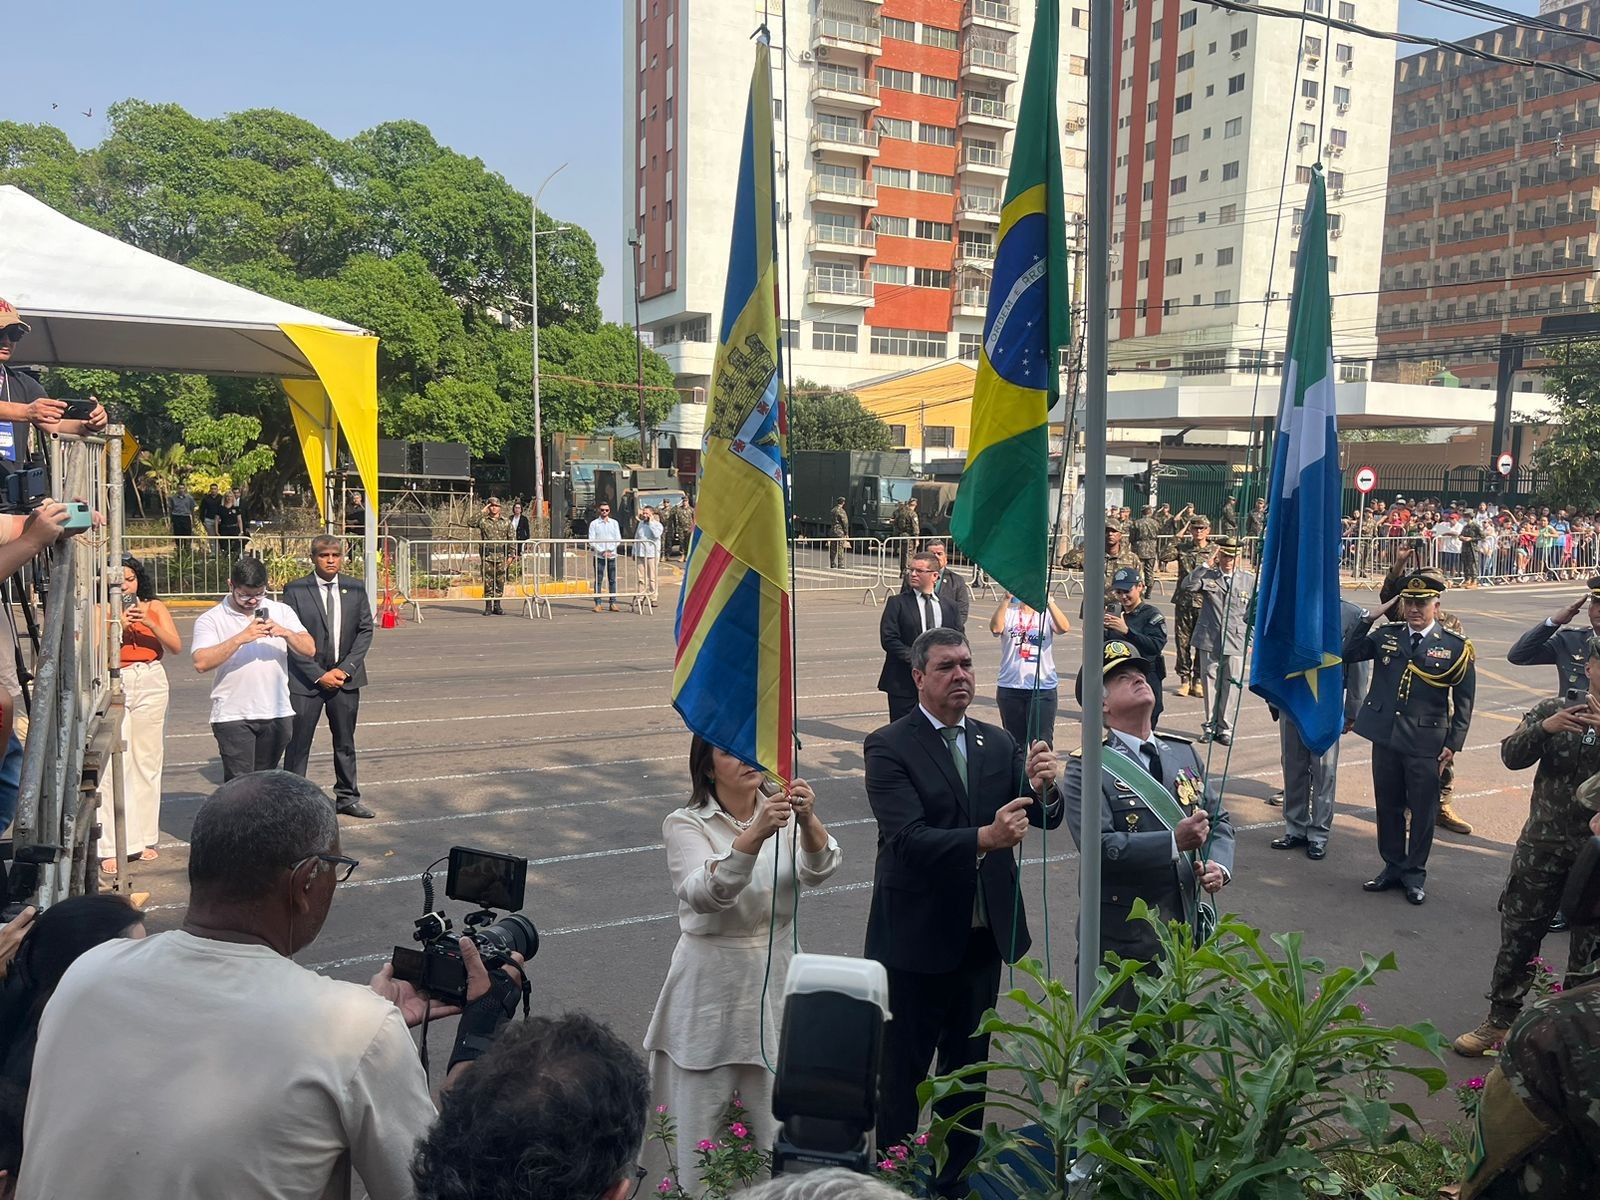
{"x": 1002, "y": 511}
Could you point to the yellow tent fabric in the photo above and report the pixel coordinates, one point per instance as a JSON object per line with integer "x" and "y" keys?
{"x": 345, "y": 395}
{"x": 314, "y": 424}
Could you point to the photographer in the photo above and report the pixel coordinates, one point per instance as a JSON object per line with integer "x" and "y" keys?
{"x": 253, "y": 1077}
{"x": 23, "y": 402}
{"x": 246, "y": 640}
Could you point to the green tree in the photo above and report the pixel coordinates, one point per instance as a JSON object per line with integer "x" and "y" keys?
{"x": 1567, "y": 459}
{"x": 829, "y": 419}
{"x": 568, "y": 354}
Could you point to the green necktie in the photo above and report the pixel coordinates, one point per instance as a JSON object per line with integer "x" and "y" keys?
{"x": 950, "y": 733}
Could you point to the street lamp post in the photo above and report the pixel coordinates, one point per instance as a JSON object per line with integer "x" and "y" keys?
{"x": 635, "y": 240}
{"x": 538, "y": 417}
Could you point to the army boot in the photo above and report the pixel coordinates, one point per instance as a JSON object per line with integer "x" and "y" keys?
{"x": 1449, "y": 820}
{"x": 1183, "y": 686}
{"x": 1481, "y": 1040}
{"x": 488, "y": 608}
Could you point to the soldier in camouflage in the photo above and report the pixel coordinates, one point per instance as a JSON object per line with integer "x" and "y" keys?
{"x": 1194, "y": 548}
{"x": 1538, "y": 1129}
{"x": 1563, "y": 737}
{"x": 1230, "y": 518}
{"x": 1146, "y": 535}
{"x": 496, "y": 552}
{"x": 906, "y": 525}
{"x": 840, "y": 533}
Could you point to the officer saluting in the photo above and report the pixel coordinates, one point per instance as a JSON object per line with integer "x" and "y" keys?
{"x": 1416, "y": 717}
{"x": 1549, "y": 642}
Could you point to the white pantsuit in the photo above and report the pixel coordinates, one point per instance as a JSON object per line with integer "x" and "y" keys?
{"x": 144, "y": 725}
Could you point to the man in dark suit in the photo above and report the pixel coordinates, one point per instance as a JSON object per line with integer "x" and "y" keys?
{"x": 1416, "y": 716}
{"x": 1144, "y": 854}
{"x": 334, "y": 609}
{"x": 907, "y": 616}
{"x": 945, "y": 914}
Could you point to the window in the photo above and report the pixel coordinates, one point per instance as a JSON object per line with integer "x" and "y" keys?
{"x": 968, "y": 344}
{"x": 919, "y": 343}
{"x": 890, "y": 273}
{"x": 1225, "y": 256}
{"x": 892, "y": 226}
{"x": 930, "y": 278}
{"x": 1175, "y": 266}
{"x": 895, "y": 177}
{"x": 1174, "y": 225}
{"x": 832, "y": 335}
{"x": 1080, "y": 18}
{"x": 1187, "y": 20}
{"x": 1338, "y": 137}
{"x": 1347, "y": 11}
{"x": 1313, "y": 6}
{"x": 934, "y": 85}
{"x": 1155, "y": 71}
{"x": 1148, "y": 191}
{"x": 1336, "y": 180}
{"x": 906, "y": 31}
{"x": 1341, "y": 96}
{"x": 791, "y": 332}
{"x": 933, "y": 231}
{"x": 1149, "y": 152}
{"x": 1186, "y": 61}
{"x": 1145, "y": 228}
{"x": 1227, "y": 214}
{"x": 932, "y": 35}
{"x": 1343, "y": 53}
{"x": 936, "y": 135}
{"x": 1180, "y": 144}
{"x": 945, "y": 185}
{"x": 894, "y": 80}
{"x": 1230, "y": 170}
{"x": 1180, "y": 185}
{"x": 1313, "y": 47}
{"x": 1144, "y": 269}
{"x": 1233, "y": 128}
{"x": 1239, "y": 40}
{"x": 1235, "y": 85}
{"x": 1155, "y": 28}
{"x": 1335, "y": 220}
{"x": 1183, "y": 103}
{"x": 1307, "y": 133}
{"x": 938, "y": 437}
{"x": 1222, "y": 299}
{"x": 893, "y": 127}
{"x": 1151, "y": 109}
{"x": 1077, "y": 64}
{"x": 1333, "y": 262}
{"x": 1309, "y": 89}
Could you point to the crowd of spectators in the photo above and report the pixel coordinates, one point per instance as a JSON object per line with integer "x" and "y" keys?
{"x": 1483, "y": 543}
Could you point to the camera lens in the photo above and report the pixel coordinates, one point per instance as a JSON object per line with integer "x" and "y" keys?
{"x": 514, "y": 934}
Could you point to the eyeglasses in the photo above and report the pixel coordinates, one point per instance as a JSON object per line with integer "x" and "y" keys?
{"x": 333, "y": 860}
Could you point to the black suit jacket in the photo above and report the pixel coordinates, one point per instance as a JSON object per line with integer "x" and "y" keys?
{"x": 1426, "y": 719}
{"x": 928, "y": 874}
{"x": 355, "y": 634}
{"x": 900, "y": 625}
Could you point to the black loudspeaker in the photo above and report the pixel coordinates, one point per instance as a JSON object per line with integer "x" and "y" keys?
{"x": 394, "y": 457}
{"x": 520, "y": 466}
{"x": 445, "y": 460}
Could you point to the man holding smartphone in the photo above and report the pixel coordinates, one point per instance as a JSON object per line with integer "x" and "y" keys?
{"x": 246, "y": 640}
{"x": 23, "y": 402}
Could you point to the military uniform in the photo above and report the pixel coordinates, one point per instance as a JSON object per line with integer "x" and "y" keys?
{"x": 1146, "y": 532}
{"x": 906, "y": 525}
{"x": 840, "y": 533}
{"x": 495, "y": 546}
{"x": 1471, "y": 535}
{"x": 1420, "y": 702}
{"x": 1186, "y": 607}
{"x": 1228, "y": 522}
{"x": 1547, "y": 643}
{"x": 1538, "y": 1133}
{"x": 1220, "y": 634}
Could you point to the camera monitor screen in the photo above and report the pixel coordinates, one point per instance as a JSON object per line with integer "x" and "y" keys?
{"x": 487, "y": 879}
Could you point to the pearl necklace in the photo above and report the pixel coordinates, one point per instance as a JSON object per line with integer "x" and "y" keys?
{"x": 743, "y": 825}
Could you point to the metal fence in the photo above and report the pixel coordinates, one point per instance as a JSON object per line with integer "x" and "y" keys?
{"x": 1502, "y": 558}
{"x": 196, "y": 568}
{"x": 541, "y": 574}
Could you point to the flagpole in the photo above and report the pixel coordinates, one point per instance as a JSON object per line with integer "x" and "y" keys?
{"x": 1097, "y": 269}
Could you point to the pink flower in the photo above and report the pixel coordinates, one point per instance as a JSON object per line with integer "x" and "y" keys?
{"x": 736, "y": 1102}
{"x": 664, "y": 1187}
{"x": 899, "y": 1152}
{"x": 738, "y": 1130}
{"x": 1475, "y": 1083}
{"x": 1555, "y": 987}
{"x": 922, "y": 1139}
{"x": 705, "y": 1144}
{"x": 886, "y": 1165}
{"x": 661, "y": 1108}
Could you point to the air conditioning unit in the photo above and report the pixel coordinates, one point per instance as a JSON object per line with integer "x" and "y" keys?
{"x": 1237, "y": 54}
{"x": 1295, "y": 228}
{"x": 1311, "y": 101}
{"x": 822, "y": 53}
{"x": 1337, "y": 192}
{"x": 1336, "y": 231}
{"x": 1312, "y": 60}
{"x": 1343, "y": 108}
{"x": 1073, "y": 124}
{"x": 1345, "y": 66}
{"x": 1304, "y": 142}
{"x": 1338, "y": 151}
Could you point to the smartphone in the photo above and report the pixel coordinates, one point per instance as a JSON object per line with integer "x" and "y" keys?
{"x": 78, "y": 410}
{"x": 261, "y": 616}
{"x": 79, "y": 517}
{"x": 129, "y": 599}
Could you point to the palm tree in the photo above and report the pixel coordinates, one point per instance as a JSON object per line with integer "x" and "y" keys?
{"x": 166, "y": 469}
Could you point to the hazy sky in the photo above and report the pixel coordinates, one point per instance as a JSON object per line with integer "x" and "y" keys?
{"x": 524, "y": 86}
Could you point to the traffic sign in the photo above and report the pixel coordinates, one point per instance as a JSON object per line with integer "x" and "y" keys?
{"x": 1503, "y": 464}
{"x": 1366, "y": 480}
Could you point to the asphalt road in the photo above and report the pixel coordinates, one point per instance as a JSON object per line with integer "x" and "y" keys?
{"x": 556, "y": 740}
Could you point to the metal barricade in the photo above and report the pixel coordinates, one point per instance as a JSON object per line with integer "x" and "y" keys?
{"x": 451, "y": 571}
{"x": 566, "y": 569}
{"x": 839, "y": 565}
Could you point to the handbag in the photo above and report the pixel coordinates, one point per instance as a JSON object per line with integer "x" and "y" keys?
{"x": 1581, "y": 901}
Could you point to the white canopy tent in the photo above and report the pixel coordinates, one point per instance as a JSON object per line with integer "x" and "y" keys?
{"x": 92, "y": 301}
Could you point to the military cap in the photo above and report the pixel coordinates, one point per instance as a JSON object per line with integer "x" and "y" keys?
{"x": 1424, "y": 585}
{"x": 1118, "y": 654}
{"x": 1594, "y": 587}
{"x": 1125, "y": 578}
{"x": 1201, "y": 523}
{"x": 1112, "y": 523}
{"x": 1591, "y": 647}
{"x": 1228, "y": 545}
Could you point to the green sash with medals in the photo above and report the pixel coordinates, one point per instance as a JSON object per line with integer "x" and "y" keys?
{"x": 1132, "y": 775}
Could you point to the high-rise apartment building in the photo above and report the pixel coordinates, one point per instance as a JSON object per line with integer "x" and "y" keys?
{"x": 892, "y": 167}
{"x": 1494, "y": 196}
{"x": 1219, "y": 119}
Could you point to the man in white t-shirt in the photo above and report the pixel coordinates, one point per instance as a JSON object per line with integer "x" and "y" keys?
{"x": 246, "y": 640}
{"x": 239, "y": 1072}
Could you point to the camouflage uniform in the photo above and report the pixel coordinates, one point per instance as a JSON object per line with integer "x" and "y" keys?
{"x": 1187, "y": 605}
{"x": 1228, "y": 522}
{"x": 495, "y": 545}
{"x": 1556, "y": 830}
{"x": 840, "y": 530}
{"x": 1255, "y": 528}
{"x": 1538, "y": 1129}
{"x": 1471, "y": 535}
{"x": 1146, "y": 531}
{"x": 905, "y": 525}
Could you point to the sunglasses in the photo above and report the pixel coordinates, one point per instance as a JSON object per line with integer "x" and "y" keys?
{"x": 11, "y": 334}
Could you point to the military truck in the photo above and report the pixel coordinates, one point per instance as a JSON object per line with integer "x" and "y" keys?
{"x": 872, "y": 482}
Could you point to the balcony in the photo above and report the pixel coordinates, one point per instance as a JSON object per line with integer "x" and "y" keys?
{"x": 842, "y": 88}
{"x": 989, "y": 60}
{"x": 837, "y": 239}
{"x": 845, "y": 139}
{"x": 834, "y": 30}
{"x": 978, "y": 208}
{"x": 839, "y": 286}
{"x": 991, "y": 14}
{"x": 975, "y": 255}
{"x": 983, "y": 110}
{"x": 837, "y": 189}
{"x": 972, "y": 302}
{"x": 983, "y": 160}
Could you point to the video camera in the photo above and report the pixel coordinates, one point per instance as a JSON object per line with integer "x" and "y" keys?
{"x": 489, "y": 880}
{"x": 23, "y": 489}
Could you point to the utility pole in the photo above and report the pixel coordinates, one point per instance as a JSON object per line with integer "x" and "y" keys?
{"x": 538, "y": 417}
{"x": 634, "y": 242}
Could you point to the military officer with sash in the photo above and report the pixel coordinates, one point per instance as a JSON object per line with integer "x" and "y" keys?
{"x": 1161, "y": 840}
{"x": 1416, "y": 716}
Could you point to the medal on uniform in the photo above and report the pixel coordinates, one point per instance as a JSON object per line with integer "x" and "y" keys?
{"x": 1132, "y": 821}
{"x": 1188, "y": 789}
